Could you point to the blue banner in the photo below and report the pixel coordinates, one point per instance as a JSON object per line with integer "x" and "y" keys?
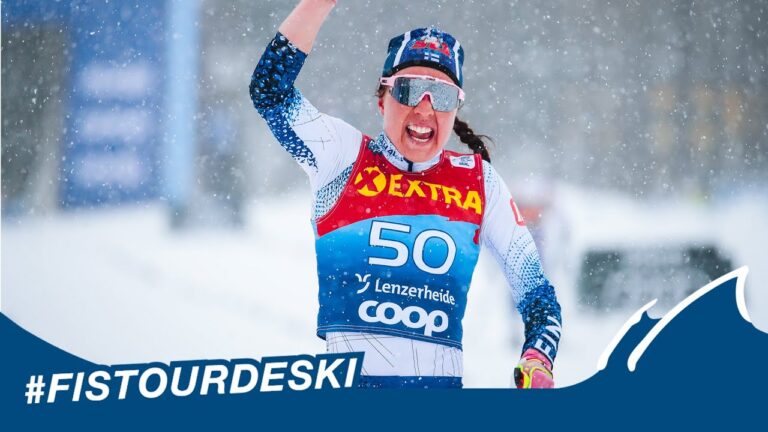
{"x": 113, "y": 131}
{"x": 702, "y": 365}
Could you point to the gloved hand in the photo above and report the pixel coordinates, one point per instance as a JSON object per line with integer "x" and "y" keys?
{"x": 534, "y": 371}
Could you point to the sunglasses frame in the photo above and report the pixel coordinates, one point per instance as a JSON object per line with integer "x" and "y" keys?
{"x": 390, "y": 82}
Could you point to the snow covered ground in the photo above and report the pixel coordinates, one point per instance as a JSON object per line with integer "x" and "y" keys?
{"x": 118, "y": 286}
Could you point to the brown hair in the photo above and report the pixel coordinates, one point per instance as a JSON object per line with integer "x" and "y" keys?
{"x": 465, "y": 133}
{"x": 468, "y": 137}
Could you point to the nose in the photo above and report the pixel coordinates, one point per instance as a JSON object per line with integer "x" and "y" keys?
{"x": 425, "y": 105}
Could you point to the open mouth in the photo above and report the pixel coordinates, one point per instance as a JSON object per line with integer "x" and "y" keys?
{"x": 420, "y": 133}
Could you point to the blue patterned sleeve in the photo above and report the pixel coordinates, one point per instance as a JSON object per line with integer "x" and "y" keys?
{"x": 513, "y": 247}
{"x": 275, "y": 97}
{"x": 322, "y": 145}
{"x": 272, "y": 80}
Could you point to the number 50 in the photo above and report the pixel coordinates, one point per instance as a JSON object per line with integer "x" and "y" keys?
{"x": 401, "y": 256}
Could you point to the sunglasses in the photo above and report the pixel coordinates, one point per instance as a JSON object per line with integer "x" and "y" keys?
{"x": 410, "y": 90}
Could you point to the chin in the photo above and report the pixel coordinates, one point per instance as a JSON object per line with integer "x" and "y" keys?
{"x": 419, "y": 152}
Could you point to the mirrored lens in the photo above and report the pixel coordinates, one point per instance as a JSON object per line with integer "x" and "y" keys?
{"x": 409, "y": 91}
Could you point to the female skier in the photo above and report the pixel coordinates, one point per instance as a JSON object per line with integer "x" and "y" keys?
{"x": 398, "y": 219}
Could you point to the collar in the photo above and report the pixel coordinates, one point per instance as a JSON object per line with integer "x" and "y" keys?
{"x": 383, "y": 145}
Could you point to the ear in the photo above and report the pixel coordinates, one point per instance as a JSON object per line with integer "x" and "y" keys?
{"x": 381, "y": 105}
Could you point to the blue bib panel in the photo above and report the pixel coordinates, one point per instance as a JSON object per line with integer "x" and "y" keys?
{"x": 406, "y": 271}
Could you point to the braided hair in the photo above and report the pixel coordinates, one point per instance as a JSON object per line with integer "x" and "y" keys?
{"x": 468, "y": 137}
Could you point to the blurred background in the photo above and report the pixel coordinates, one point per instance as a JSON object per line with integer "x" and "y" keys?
{"x": 148, "y": 214}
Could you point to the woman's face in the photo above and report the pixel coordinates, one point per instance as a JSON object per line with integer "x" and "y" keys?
{"x": 419, "y": 132}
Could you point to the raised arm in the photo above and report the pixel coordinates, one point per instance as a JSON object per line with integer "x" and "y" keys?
{"x": 304, "y": 22}
{"x": 322, "y": 145}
